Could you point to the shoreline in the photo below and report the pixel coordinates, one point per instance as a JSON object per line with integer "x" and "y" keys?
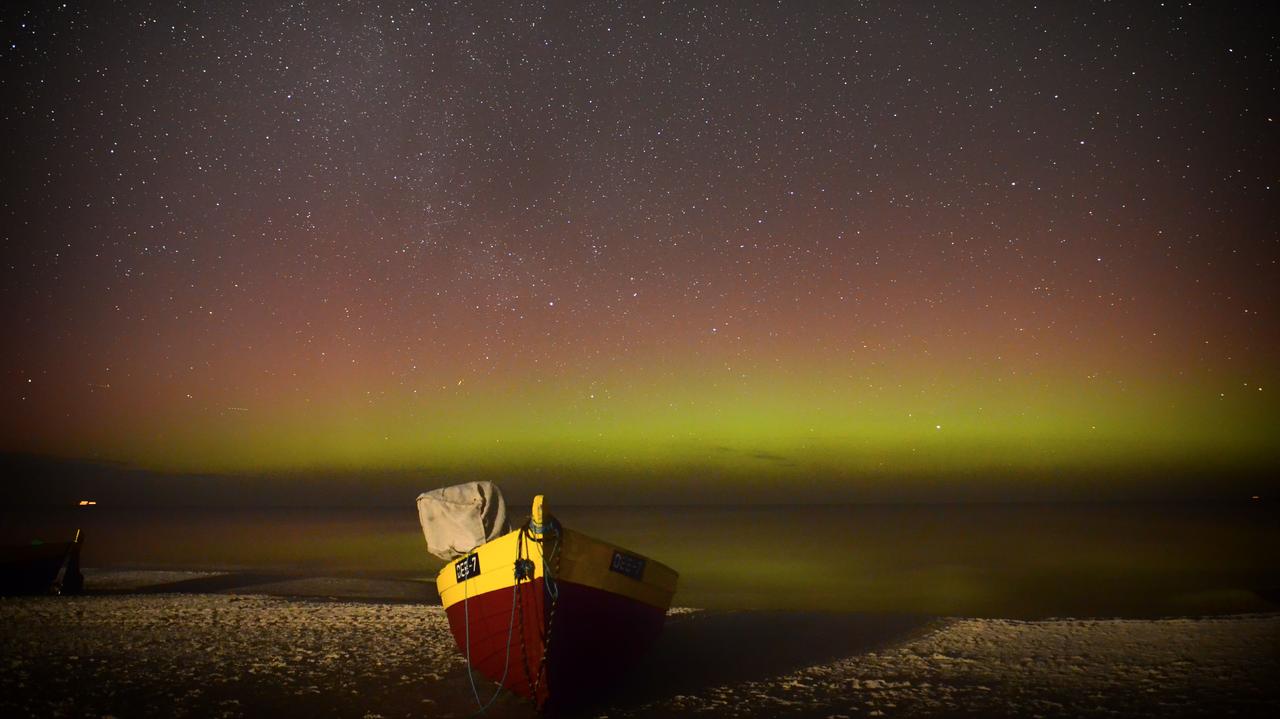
{"x": 335, "y": 586}
{"x": 327, "y": 583}
{"x": 175, "y": 643}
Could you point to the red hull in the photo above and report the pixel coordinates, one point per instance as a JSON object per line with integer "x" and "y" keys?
{"x": 596, "y": 636}
{"x": 487, "y": 618}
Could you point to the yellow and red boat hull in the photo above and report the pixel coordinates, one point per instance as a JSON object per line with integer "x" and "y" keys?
{"x": 591, "y": 616}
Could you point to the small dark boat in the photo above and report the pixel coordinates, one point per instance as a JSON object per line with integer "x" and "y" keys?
{"x": 41, "y": 568}
{"x": 552, "y": 614}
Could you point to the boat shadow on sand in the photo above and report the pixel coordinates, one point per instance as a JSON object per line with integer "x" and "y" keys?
{"x": 701, "y": 650}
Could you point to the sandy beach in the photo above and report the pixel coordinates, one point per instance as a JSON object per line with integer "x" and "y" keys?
{"x": 215, "y": 644}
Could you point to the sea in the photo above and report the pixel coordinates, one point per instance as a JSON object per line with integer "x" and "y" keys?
{"x": 983, "y": 560}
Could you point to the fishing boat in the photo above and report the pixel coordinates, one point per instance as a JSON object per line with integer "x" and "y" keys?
{"x": 547, "y": 612}
{"x": 41, "y": 568}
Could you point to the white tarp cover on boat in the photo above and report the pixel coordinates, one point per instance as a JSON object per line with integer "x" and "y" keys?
{"x": 457, "y": 519}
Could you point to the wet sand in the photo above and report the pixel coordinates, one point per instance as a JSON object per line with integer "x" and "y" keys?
{"x": 219, "y": 644}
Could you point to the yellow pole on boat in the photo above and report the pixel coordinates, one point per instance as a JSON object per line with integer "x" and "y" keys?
{"x": 536, "y": 515}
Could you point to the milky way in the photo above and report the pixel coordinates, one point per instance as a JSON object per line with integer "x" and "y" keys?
{"x": 868, "y": 243}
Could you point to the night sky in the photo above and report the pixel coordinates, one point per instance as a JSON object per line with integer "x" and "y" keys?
{"x": 881, "y": 249}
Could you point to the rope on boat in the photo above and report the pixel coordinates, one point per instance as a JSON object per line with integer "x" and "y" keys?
{"x": 524, "y": 649}
{"x": 511, "y": 622}
{"x": 552, "y": 590}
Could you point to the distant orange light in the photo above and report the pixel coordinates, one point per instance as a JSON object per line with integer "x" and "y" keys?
{"x": 1256, "y": 497}
{"x": 87, "y": 503}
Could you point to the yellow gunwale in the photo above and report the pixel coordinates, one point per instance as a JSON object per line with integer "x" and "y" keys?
{"x": 583, "y": 560}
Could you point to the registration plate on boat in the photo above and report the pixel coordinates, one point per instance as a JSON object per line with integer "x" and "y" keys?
{"x": 627, "y": 565}
{"x": 467, "y": 567}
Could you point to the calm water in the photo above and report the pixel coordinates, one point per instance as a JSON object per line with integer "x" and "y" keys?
{"x": 985, "y": 560}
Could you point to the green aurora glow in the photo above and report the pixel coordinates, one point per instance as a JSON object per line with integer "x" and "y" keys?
{"x": 830, "y": 248}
